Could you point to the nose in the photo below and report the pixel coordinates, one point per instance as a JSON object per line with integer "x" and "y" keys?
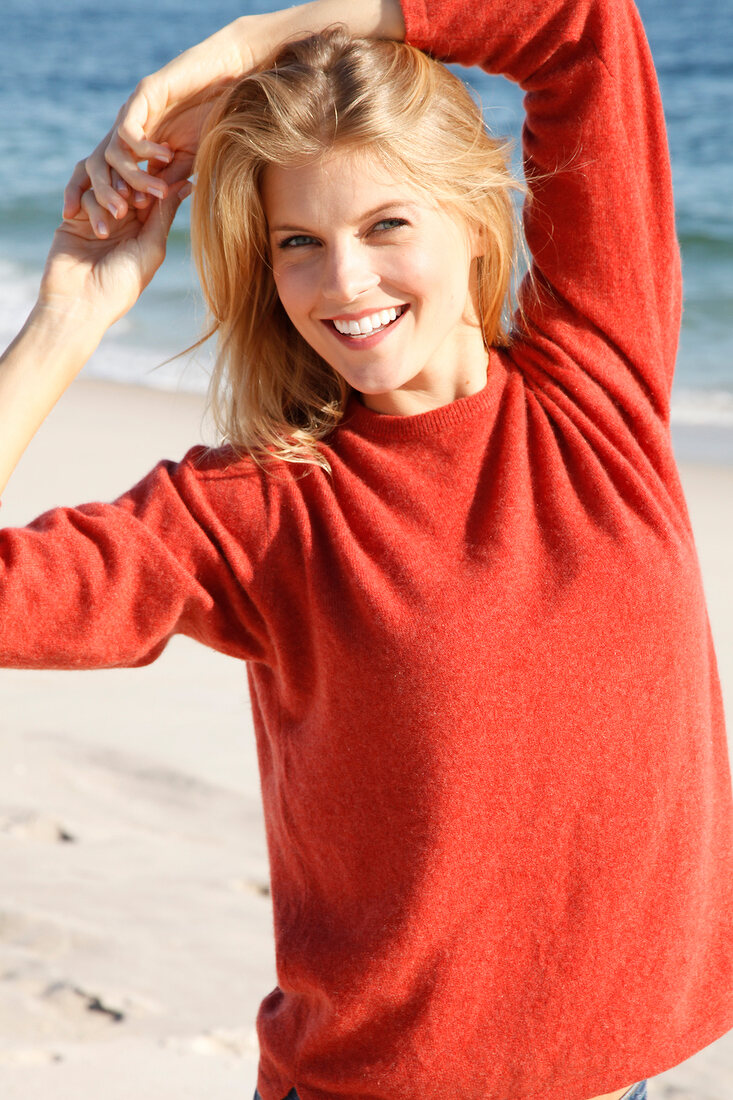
{"x": 348, "y": 272}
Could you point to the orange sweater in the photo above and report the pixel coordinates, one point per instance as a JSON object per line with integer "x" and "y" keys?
{"x": 490, "y": 732}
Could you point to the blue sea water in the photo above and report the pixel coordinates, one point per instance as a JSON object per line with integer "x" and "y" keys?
{"x": 66, "y": 67}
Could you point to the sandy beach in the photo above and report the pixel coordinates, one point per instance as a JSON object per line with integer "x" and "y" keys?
{"x": 135, "y": 930}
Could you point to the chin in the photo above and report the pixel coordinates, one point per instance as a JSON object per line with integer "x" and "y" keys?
{"x": 377, "y": 387}
{"x": 375, "y": 391}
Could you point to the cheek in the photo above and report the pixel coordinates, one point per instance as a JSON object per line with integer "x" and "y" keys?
{"x": 417, "y": 276}
{"x": 295, "y": 291}
{"x": 292, "y": 290}
{"x": 434, "y": 281}
{"x": 432, "y": 269}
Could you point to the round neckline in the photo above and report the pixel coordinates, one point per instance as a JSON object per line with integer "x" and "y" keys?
{"x": 364, "y": 421}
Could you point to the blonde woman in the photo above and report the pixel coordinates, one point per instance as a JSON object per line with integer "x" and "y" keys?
{"x": 450, "y": 544}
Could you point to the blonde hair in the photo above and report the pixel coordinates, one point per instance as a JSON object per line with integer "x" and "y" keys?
{"x": 271, "y": 394}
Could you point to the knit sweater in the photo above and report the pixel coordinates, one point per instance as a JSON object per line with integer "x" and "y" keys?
{"x": 493, "y": 762}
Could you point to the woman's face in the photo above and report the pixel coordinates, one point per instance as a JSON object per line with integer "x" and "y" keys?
{"x": 378, "y": 280}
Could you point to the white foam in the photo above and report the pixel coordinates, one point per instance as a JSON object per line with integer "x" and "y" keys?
{"x": 119, "y": 358}
{"x": 702, "y": 407}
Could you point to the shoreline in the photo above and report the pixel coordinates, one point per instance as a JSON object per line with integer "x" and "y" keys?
{"x": 703, "y": 444}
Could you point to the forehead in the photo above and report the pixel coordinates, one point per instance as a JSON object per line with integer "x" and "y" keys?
{"x": 344, "y": 185}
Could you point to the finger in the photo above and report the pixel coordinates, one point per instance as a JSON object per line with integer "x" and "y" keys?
{"x": 156, "y": 166}
{"x": 123, "y": 160}
{"x": 99, "y": 218}
{"x": 122, "y": 190}
{"x": 136, "y": 117}
{"x": 165, "y": 210}
{"x": 177, "y": 171}
{"x": 75, "y": 188}
{"x": 142, "y": 201}
{"x": 119, "y": 184}
{"x": 100, "y": 177}
{"x": 154, "y": 232}
{"x": 180, "y": 168}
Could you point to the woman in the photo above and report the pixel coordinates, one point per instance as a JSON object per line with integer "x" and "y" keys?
{"x": 456, "y": 559}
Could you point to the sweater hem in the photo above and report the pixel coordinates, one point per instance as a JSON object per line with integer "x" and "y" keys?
{"x": 705, "y": 1037}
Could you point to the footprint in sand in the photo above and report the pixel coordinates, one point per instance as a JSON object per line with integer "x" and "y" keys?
{"x": 71, "y": 1000}
{"x": 251, "y": 886}
{"x": 43, "y": 936}
{"x": 233, "y": 1042}
{"x": 29, "y": 1057}
{"x": 29, "y": 825}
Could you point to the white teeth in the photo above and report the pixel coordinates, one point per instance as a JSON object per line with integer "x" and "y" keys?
{"x": 366, "y": 325}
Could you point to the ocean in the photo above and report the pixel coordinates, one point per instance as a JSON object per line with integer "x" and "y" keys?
{"x": 67, "y": 67}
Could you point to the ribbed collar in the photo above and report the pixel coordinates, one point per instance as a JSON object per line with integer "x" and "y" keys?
{"x": 365, "y": 422}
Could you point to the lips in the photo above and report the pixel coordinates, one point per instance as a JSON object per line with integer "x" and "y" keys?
{"x": 366, "y": 329}
{"x": 365, "y": 325}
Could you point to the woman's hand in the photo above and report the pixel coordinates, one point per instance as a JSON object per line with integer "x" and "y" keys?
{"x": 99, "y": 272}
{"x": 161, "y": 122}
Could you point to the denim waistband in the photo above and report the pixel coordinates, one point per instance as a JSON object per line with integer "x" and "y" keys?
{"x": 636, "y": 1092}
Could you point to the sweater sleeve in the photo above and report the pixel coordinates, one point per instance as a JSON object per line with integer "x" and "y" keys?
{"x": 600, "y": 223}
{"x": 107, "y": 585}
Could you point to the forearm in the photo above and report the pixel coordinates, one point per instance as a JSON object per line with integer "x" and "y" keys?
{"x": 250, "y": 40}
{"x": 39, "y": 365}
{"x": 601, "y": 229}
{"x": 366, "y": 18}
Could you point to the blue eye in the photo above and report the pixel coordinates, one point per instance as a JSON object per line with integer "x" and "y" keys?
{"x": 295, "y": 242}
{"x": 390, "y": 223}
{"x": 302, "y": 240}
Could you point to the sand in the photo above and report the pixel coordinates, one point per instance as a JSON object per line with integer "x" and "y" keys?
{"x": 136, "y": 926}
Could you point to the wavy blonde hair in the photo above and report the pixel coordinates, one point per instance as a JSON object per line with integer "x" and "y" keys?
{"x": 271, "y": 394}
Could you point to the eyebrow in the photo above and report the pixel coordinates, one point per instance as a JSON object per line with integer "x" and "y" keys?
{"x": 363, "y": 218}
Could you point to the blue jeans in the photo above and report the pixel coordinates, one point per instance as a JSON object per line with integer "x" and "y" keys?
{"x": 638, "y": 1092}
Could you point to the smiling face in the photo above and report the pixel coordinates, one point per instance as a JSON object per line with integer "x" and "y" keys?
{"x": 378, "y": 280}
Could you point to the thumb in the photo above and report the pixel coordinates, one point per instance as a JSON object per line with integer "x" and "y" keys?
{"x": 157, "y": 225}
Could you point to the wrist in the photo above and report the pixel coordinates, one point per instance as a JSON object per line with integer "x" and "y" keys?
{"x": 57, "y": 314}
{"x": 63, "y": 333}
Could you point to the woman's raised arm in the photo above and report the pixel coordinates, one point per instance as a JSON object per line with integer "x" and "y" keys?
{"x": 600, "y": 225}
{"x": 161, "y": 122}
{"x": 87, "y": 284}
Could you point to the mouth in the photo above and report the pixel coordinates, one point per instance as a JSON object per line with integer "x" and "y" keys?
{"x": 368, "y": 326}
